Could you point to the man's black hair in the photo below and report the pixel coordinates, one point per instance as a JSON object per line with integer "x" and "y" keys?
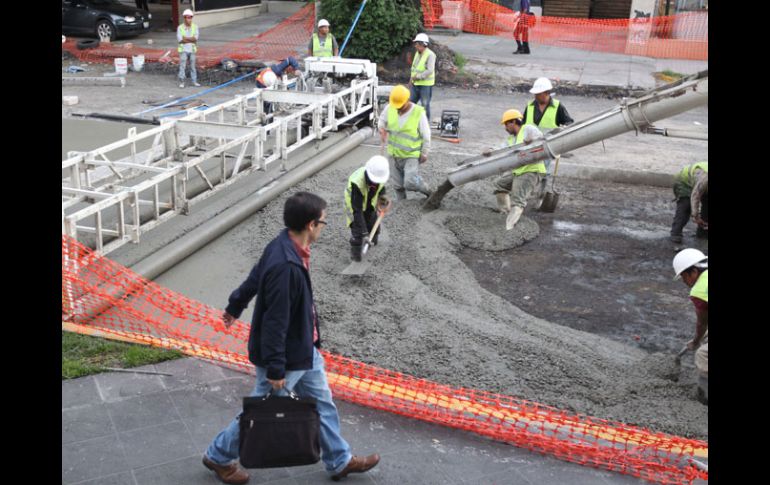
{"x": 301, "y": 208}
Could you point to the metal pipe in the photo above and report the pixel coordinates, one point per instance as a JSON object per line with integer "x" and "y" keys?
{"x": 630, "y": 115}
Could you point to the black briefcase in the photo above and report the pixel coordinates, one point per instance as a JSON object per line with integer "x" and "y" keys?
{"x": 278, "y": 431}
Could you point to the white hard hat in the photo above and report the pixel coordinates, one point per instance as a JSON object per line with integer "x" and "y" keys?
{"x": 378, "y": 169}
{"x": 269, "y": 78}
{"x": 687, "y": 258}
{"x": 542, "y": 84}
{"x": 187, "y": 13}
{"x": 323, "y": 23}
{"x": 531, "y": 133}
{"x": 421, "y": 38}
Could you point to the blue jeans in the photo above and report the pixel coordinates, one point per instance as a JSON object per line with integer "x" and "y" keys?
{"x": 335, "y": 451}
{"x": 423, "y": 95}
{"x": 183, "y": 56}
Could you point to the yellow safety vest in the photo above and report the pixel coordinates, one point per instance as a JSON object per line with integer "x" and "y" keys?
{"x": 419, "y": 67}
{"x": 549, "y": 117}
{"x": 686, "y": 175}
{"x": 404, "y": 142}
{"x": 538, "y": 167}
{"x": 358, "y": 178}
{"x": 182, "y": 28}
{"x": 701, "y": 287}
{"x": 326, "y": 50}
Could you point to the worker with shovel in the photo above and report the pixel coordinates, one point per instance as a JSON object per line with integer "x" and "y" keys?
{"x": 366, "y": 203}
{"x": 514, "y": 188}
{"x": 691, "y": 191}
{"x": 691, "y": 266}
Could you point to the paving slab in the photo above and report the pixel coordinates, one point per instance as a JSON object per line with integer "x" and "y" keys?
{"x": 86, "y": 422}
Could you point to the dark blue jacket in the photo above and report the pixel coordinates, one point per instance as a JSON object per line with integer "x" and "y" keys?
{"x": 281, "y": 336}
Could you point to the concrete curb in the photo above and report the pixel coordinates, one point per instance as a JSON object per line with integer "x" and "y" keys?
{"x": 616, "y": 175}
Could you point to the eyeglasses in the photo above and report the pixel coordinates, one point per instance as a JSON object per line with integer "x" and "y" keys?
{"x": 319, "y": 221}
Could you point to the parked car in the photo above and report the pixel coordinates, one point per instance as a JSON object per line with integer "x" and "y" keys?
{"x": 103, "y": 18}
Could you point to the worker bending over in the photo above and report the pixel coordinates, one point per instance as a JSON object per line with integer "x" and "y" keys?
{"x": 691, "y": 266}
{"x": 691, "y": 190}
{"x": 404, "y": 128}
{"x": 364, "y": 199}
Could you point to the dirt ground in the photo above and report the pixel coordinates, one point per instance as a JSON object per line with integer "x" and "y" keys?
{"x": 584, "y": 316}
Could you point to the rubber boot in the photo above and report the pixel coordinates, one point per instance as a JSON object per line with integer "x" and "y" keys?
{"x": 503, "y": 202}
{"x": 513, "y": 217}
{"x": 355, "y": 252}
{"x": 526, "y": 48}
{"x": 518, "y": 50}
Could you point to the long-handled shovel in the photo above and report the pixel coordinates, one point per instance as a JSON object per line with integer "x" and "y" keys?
{"x": 360, "y": 267}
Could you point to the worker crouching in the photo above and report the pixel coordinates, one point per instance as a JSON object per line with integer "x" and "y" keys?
{"x": 514, "y": 188}
{"x": 364, "y": 200}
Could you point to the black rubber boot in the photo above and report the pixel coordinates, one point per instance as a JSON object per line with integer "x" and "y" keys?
{"x": 518, "y": 48}
{"x": 526, "y": 48}
{"x": 355, "y": 252}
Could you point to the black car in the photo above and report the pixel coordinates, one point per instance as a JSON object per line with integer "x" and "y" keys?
{"x": 103, "y": 18}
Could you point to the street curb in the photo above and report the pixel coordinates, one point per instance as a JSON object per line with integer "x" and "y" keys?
{"x": 616, "y": 175}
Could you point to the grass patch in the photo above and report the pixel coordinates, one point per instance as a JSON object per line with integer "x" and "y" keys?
{"x": 460, "y": 61}
{"x": 82, "y": 355}
{"x": 668, "y": 76}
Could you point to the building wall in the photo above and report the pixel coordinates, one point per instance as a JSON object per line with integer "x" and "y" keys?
{"x": 610, "y": 9}
{"x": 567, "y": 8}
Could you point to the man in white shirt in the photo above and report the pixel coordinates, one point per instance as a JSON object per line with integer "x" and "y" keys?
{"x": 187, "y": 36}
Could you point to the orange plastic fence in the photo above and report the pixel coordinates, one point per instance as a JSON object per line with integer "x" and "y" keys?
{"x": 277, "y": 43}
{"x": 101, "y": 297}
{"x": 681, "y": 36}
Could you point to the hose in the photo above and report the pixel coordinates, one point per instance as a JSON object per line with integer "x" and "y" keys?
{"x": 352, "y": 27}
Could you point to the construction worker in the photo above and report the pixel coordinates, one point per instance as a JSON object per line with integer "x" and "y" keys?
{"x": 322, "y": 43}
{"x": 691, "y": 191}
{"x": 404, "y": 128}
{"x": 521, "y": 32}
{"x": 514, "y": 188}
{"x": 364, "y": 200}
{"x": 423, "y": 75}
{"x": 187, "y": 36}
{"x": 547, "y": 113}
{"x": 268, "y": 76}
{"x": 691, "y": 266}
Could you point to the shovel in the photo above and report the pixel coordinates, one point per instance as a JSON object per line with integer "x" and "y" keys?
{"x": 360, "y": 267}
{"x": 551, "y": 197}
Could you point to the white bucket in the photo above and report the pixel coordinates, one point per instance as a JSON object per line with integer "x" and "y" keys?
{"x": 121, "y": 65}
{"x": 138, "y": 62}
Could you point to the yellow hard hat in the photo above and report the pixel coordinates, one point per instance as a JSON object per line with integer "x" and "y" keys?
{"x": 511, "y": 114}
{"x": 399, "y": 96}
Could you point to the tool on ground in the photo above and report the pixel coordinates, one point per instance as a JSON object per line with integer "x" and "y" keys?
{"x": 450, "y": 124}
{"x": 551, "y": 197}
{"x": 450, "y": 140}
{"x": 368, "y": 240}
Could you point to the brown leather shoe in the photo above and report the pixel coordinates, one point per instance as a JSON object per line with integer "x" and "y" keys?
{"x": 358, "y": 464}
{"x": 232, "y": 473}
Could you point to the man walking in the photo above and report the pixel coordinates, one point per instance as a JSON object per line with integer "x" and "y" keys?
{"x": 423, "y": 75}
{"x": 187, "y": 37}
{"x": 404, "y": 127}
{"x": 691, "y": 192}
{"x": 364, "y": 199}
{"x": 521, "y": 32}
{"x": 691, "y": 266}
{"x": 322, "y": 43}
{"x": 284, "y": 340}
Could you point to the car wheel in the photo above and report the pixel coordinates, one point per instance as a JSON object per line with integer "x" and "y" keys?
{"x": 87, "y": 44}
{"x": 105, "y": 29}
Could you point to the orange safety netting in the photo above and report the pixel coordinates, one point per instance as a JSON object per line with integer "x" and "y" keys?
{"x": 681, "y": 36}
{"x": 103, "y": 298}
{"x": 279, "y": 42}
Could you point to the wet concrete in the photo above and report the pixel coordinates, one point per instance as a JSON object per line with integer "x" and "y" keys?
{"x": 483, "y": 228}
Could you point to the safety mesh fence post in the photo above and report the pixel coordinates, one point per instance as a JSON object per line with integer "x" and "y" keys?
{"x": 103, "y": 298}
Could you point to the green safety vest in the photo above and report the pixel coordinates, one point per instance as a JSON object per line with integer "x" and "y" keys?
{"x": 183, "y": 30}
{"x": 326, "y": 50}
{"x": 549, "y": 117}
{"x": 404, "y": 142}
{"x": 419, "y": 67}
{"x": 538, "y": 167}
{"x": 358, "y": 178}
{"x": 701, "y": 287}
{"x": 686, "y": 175}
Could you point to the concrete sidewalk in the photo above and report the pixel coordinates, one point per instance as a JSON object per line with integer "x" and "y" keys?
{"x": 138, "y": 429}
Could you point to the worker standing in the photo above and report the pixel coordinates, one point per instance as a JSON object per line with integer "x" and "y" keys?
{"x": 323, "y": 43}
{"x": 364, "y": 199}
{"x": 423, "y": 75}
{"x": 691, "y": 192}
{"x": 187, "y": 36}
{"x": 691, "y": 266}
{"x": 547, "y": 113}
{"x": 404, "y": 128}
{"x": 514, "y": 188}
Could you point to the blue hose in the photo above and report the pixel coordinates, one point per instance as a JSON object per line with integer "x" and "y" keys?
{"x": 352, "y": 27}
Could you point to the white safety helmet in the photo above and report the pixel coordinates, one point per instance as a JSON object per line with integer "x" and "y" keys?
{"x": 687, "y": 258}
{"x": 421, "y": 38}
{"x": 378, "y": 169}
{"x": 323, "y": 23}
{"x": 269, "y": 79}
{"x": 187, "y": 13}
{"x": 542, "y": 84}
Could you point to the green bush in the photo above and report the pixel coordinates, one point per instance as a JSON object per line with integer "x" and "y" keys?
{"x": 384, "y": 28}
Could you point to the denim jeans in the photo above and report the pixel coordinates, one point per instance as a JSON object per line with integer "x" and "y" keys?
{"x": 183, "y": 63}
{"x": 423, "y": 95}
{"x": 335, "y": 451}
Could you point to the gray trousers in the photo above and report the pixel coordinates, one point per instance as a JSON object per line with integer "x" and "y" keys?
{"x": 519, "y": 187}
{"x": 404, "y": 172}
{"x": 183, "y": 56}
